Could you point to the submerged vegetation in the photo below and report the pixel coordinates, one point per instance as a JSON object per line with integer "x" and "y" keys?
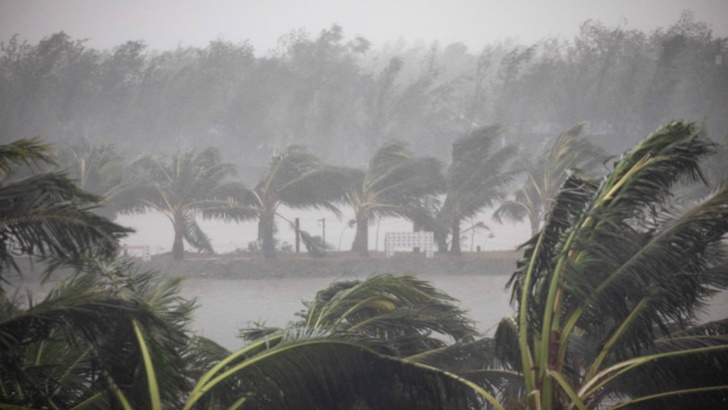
{"x": 605, "y": 295}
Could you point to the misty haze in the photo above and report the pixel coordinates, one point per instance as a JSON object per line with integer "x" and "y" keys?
{"x": 450, "y": 223}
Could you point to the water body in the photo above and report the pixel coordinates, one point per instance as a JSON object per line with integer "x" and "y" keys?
{"x": 228, "y": 305}
{"x": 225, "y": 305}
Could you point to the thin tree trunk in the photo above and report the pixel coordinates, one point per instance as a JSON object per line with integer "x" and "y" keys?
{"x": 178, "y": 246}
{"x": 361, "y": 239}
{"x": 265, "y": 232}
{"x": 455, "y": 247}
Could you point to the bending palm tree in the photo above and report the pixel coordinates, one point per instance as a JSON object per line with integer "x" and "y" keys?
{"x": 296, "y": 178}
{"x": 371, "y": 344}
{"x": 47, "y": 214}
{"x": 93, "y": 342}
{"x": 608, "y": 289}
{"x": 544, "y": 177}
{"x": 99, "y": 169}
{"x": 394, "y": 183}
{"x": 476, "y": 179}
{"x": 77, "y": 347}
{"x": 191, "y": 183}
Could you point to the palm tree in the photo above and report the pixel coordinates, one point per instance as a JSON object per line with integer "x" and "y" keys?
{"x": 81, "y": 345}
{"x": 606, "y": 295}
{"x": 571, "y": 151}
{"x": 405, "y": 315}
{"x": 190, "y": 183}
{"x": 310, "y": 369}
{"x": 95, "y": 340}
{"x": 608, "y": 289}
{"x": 298, "y": 179}
{"x": 362, "y": 344}
{"x": 46, "y": 214}
{"x": 393, "y": 183}
{"x": 476, "y": 179}
{"x": 97, "y": 168}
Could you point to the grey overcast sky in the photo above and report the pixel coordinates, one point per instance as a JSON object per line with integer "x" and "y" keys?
{"x": 165, "y": 24}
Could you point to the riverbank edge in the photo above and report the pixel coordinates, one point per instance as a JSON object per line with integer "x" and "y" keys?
{"x": 334, "y": 265}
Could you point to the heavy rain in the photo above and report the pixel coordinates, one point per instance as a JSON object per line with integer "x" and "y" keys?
{"x": 363, "y": 205}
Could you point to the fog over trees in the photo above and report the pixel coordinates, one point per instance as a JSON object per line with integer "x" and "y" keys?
{"x": 343, "y": 98}
{"x": 609, "y": 296}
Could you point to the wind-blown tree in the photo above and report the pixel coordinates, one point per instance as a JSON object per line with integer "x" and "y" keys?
{"x": 544, "y": 176}
{"x": 608, "y": 290}
{"x": 406, "y": 315}
{"x": 188, "y": 184}
{"x": 477, "y": 178}
{"x": 81, "y": 345}
{"x": 370, "y": 343}
{"x": 97, "y": 168}
{"x": 46, "y": 214}
{"x": 306, "y": 368}
{"x": 394, "y": 182}
{"x": 297, "y": 179}
{"x": 95, "y": 339}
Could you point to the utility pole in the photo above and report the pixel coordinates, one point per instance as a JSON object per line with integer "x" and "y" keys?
{"x": 323, "y": 224}
{"x": 298, "y": 235}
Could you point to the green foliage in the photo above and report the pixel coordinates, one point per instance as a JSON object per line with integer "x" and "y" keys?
{"x": 570, "y": 152}
{"x": 298, "y": 179}
{"x": 402, "y": 315}
{"x": 352, "y": 333}
{"x": 477, "y": 178}
{"x": 46, "y": 214}
{"x": 394, "y": 184}
{"x": 97, "y": 168}
{"x": 606, "y": 294}
{"x": 86, "y": 343}
{"x": 189, "y": 184}
{"x": 310, "y": 368}
{"x": 613, "y": 279}
{"x": 342, "y": 97}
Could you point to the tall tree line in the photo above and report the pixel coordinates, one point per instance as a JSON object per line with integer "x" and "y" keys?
{"x": 344, "y": 97}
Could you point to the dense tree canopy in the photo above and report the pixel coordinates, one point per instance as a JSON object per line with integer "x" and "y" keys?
{"x": 342, "y": 97}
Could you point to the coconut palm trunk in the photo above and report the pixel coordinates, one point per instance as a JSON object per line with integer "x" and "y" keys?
{"x": 395, "y": 183}
{"x": 455, "y": 246}
{"x": 361, "y": 239}
{"x": 178, "y": 246}
{"x": 610, "y": 286}
{"x": 184, "y": 186}
{"x": 266, "y": 226}
{"x": 297, "y": 179}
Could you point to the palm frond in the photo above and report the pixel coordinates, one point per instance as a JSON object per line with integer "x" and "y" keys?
{"x": 616, "y": 266}
{"x": 194, "y": 235}
{"x": 335, "y": 372}
{"x": 401, "y": 315}
{"x": 48, "y": 215}
{"x": 28, "y": 151}
{"x": 187, "y": 184}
